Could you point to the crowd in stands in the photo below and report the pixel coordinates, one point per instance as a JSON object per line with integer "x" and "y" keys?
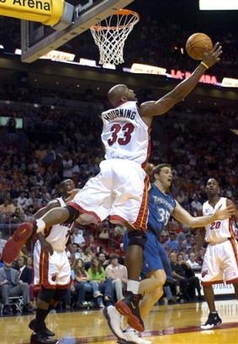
{"x": 159, "y": 38}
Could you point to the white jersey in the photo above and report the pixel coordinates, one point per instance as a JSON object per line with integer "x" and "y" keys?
{"x": 125, "y": 135}
{"x": 58, "y": 234}
{"x": 218, "y": 230}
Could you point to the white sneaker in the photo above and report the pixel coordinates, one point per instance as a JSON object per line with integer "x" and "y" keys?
{"x": 132, "y": 336}
{"x": 114, "y": 322}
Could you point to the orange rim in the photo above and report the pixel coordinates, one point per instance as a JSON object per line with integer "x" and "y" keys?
{"x": 121, "y": 12}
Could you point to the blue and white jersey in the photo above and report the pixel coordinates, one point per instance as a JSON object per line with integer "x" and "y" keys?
{"x": 161, "y": 206}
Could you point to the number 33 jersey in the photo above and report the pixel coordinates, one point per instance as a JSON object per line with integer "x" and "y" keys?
{"x": 125, "y": 135}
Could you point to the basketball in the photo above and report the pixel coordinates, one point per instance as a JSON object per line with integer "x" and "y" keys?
{"x": 196, "y": 45}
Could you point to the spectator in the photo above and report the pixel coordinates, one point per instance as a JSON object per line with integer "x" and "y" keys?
{"x": 185, "y": 278}
{"x": 6, "y": 210}
{"x": 172, "y": 244}
{"x": 97, "y": 274}
{"x": 193, "y": 263}
{"x": 77, "y": 236}
{"x": 25, "y": 273}
{"x": 11, "y": 285}
{"x": 196, "y": 206}
{"x": 118, "y": 274}
{"x": 103, "y": 259}
{"x": 2, "y": 243}
{"x": 83, "y": 285}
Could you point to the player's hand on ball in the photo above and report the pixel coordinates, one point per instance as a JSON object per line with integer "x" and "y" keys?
{"x": 210, "y": 57}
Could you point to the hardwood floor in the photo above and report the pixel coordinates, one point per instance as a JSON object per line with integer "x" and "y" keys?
{"x": 177, "y": 324}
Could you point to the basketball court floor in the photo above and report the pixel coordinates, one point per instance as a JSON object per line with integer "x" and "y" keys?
{"x": 177, "y": 324}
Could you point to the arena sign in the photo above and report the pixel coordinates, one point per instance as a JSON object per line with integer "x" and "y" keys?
{"x": 47, "y": 12}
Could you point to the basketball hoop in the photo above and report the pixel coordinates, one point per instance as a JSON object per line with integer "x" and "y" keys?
{"x": 111, "y": 33}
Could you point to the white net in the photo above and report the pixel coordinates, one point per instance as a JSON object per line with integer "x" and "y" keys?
{"x": 111, "y": 33}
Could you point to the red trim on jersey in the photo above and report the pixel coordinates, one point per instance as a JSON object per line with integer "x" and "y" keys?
{"x": 142, "y": 218}
{"x": 209, "y": 283}
{"x": 234, "y": 248}
{"x": 116, "y": 218}
{"x": 44, "y": 269}
{"x": 206, "y": 284}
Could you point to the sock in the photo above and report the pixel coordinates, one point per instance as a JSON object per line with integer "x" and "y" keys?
{"x": 41, "y": 315}
{"x": 40, "y": 225}
{"x": 133, "y": 286}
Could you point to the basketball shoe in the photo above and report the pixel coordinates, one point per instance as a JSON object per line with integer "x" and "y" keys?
{"x": 129, "y": 307}
{"x": 40, "y": 338}
{"x": 114, "y": 318}
{"x": 213, "y": 321}
{"x": 45, "y": 330}
{"x": 131, "y": 336}
{"x": 16, "y": 242}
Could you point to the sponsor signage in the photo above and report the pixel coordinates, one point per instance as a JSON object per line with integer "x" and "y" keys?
{"x": 47, "y": 12}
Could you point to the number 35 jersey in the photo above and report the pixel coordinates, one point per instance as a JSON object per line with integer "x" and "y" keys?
{"x": 161, "y": 206}
{"x": 125, "y": 135}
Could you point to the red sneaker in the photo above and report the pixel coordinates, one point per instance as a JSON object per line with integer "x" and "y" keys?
{"x": 15, "y": 243}
{"x": 129, "y": 307}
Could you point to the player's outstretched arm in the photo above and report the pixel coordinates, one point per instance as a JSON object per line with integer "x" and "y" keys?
{"x": 181, "y": 215}
{"x": 164, "y": 104}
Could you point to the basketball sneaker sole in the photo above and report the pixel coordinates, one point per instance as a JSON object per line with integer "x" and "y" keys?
{"x": 132, "y": 320}
{"x": 16, "y": 242}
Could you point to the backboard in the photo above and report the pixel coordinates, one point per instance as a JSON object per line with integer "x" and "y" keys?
{"x": 37, "y": 39}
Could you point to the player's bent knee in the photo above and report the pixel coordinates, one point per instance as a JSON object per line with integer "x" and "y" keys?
{"x": 73, "y": 214}
{"x": 137, "y": 238}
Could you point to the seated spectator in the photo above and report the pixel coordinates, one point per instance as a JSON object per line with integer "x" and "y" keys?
{"x": 77, "y": 236}
{"x": 83, "y": 285}
{"x": 2, "y": 243}
{"x": 193, "y": 282}
{"x": 21, "y": 200}
{"x": 7, "y": 208}
{"x": 196, "y": 206}
{"x": 118, "y": 274}
{"x": 11, "y": 285}
{"x": 103, "y": 259}
{"x": 78, "y": 252}
{"x": 172, "y": 243}
{"x": 192, "y": 262}
{"x": 17, "y": 216}
{"x": 97, "y": 274}
{"x": 25, "y": 273}
{"x": 87, "y": 256}
{"x": 186, "y": 281}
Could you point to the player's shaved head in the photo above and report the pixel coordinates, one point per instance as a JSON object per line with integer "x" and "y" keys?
{"x": 116, "y": 93}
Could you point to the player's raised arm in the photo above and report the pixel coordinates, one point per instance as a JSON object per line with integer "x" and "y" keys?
{"x": 164, "y": 104}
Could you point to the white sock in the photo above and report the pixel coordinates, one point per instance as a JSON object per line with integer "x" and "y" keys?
{"x": 40, "y": 225}
{"x": 133, "y": 286}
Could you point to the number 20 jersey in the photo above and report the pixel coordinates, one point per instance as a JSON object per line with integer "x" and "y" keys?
{"x": 220, "y": 229}
{"x": 125, "y": 135}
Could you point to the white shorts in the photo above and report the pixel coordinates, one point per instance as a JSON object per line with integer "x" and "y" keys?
{"x": 119, "y": 191}
{"x": 220, "y": 263}
{"x": 51, "y": 271}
